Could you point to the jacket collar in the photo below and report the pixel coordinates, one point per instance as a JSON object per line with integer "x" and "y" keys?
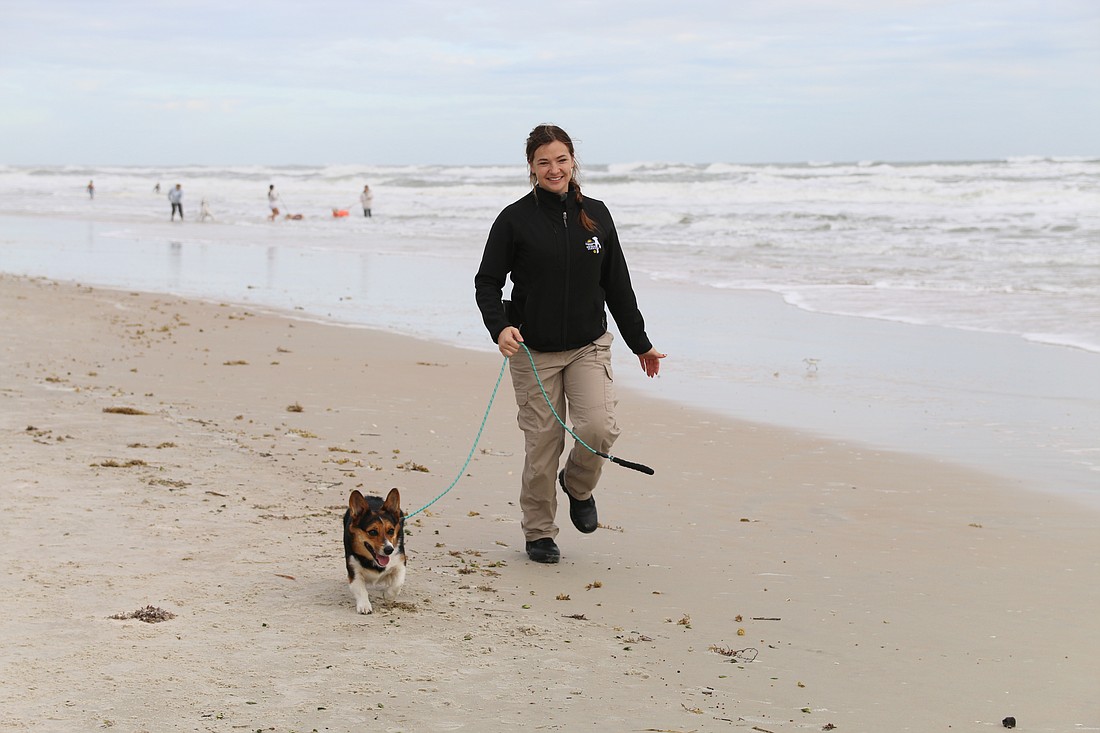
{"x": 542, "y": 196}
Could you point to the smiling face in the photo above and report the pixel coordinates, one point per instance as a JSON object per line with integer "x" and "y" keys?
{"x": 552, "y": 166}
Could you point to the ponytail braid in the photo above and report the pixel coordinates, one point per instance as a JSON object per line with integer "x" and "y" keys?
{"x": 586, "y": 221}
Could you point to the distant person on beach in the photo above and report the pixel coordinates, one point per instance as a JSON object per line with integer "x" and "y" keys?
{"x": 176, "y": 197}
{"x": 367, "y": 199}
{"x": 566, "y": 264}
{"x": 91, "y": 190}
{"x": 204, "y": 211}
{"x": 156, "y": 188}
{"x": 272, "y": 202}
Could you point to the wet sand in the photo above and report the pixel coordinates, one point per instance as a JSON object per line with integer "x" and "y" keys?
{"x": 1028, "y": 412}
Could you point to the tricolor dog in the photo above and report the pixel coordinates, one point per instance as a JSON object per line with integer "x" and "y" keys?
{"x": 374, "y": 546}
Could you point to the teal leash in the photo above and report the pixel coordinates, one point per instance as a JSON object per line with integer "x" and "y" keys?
{"x": 626, "y": 464}
{"x": 488, "y": 407}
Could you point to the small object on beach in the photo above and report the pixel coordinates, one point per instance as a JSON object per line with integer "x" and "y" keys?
{"x": 294, "y": 408}
{"x": 339, "y": 213}
{"x": 112, "y": 463}
{"x": 739, "y": 655}
{"x": 1009, "y": 722}
{"x": 149, "y": 614}
{"x": 124, "y": 411}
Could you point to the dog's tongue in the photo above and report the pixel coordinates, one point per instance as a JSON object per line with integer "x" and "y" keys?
{"x": 382, "y": 560}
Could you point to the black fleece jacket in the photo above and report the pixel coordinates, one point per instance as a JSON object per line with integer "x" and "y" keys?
{"x": 562, "y": 275}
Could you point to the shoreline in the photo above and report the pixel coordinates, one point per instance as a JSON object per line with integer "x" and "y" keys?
{"x": 1026, "y": 411}
{"x": 879, "y": 591}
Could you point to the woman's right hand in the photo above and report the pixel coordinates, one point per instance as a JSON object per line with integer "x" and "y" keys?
{"x": 509, "y": 341}
{"x": 651, "y": 362}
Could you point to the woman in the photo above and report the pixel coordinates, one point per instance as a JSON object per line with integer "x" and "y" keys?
{"x": 563, "y": 255}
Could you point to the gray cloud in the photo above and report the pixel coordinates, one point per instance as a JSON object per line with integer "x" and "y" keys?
{"x": 427, "y": 81}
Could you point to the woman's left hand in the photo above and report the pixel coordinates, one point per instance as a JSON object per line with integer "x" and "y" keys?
{"x": 651, "y": 362}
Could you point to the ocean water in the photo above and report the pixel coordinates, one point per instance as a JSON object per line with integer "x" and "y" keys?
{"x": 1001, "y": 246}
{"x": 949, "y": 308}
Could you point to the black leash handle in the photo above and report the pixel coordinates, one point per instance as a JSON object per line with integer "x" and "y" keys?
{"x": 640, "y": 468}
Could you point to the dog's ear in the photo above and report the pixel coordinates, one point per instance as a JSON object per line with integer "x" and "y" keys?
{"x": 357, "y": 503}
{"x": 393, "y": 502}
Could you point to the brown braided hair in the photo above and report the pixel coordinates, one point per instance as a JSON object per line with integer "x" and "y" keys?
{"x": 545, "y": 134}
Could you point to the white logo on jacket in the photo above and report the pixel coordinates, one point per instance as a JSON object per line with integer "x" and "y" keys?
{"x": 593, "y": 245}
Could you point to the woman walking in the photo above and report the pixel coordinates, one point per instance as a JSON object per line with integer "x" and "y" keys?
{"x": 563, "y": 254}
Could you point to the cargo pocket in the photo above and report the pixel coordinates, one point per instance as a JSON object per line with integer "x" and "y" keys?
{"x": 609, "y": 397}
{"x": 526, "y": 417}
{"x": 603, "y": 358}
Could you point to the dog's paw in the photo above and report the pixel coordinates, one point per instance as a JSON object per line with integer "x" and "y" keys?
{"x": 364, "y": 607}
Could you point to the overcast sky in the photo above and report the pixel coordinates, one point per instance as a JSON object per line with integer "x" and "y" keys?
{"x": 463, "y": 81}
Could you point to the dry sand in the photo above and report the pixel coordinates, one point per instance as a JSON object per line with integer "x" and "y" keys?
{"x": 871, "y": 591}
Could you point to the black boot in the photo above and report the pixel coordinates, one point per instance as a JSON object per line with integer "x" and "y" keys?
{"x": 583, "y": 513}
{"x": 544, "y": 550}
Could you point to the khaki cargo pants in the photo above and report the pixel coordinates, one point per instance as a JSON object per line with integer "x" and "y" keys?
{"x": 579, "y": 384}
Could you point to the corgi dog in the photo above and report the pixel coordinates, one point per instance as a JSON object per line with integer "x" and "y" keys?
{"x": 374, "y": 546}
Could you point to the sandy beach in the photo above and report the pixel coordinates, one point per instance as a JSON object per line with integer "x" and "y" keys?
{"x": 763, "y": 579}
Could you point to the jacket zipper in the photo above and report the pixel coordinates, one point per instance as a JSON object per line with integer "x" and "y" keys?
{"x": 565, "y": 304}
